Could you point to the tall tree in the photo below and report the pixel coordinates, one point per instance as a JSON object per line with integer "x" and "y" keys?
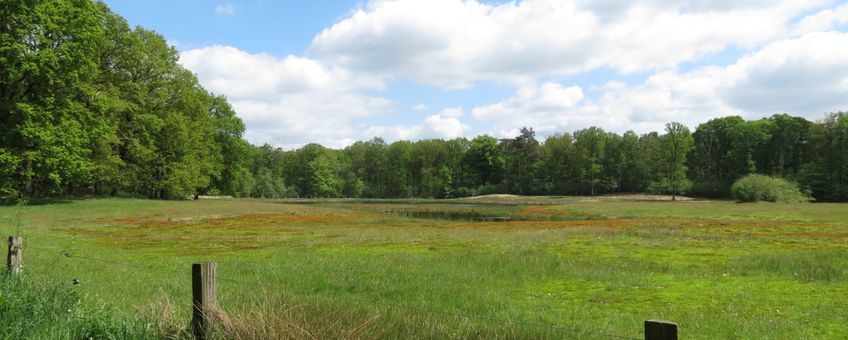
{"x": 49, "y": 122}
{"x": 323, "y": 178}
{"x": 787, "y": 145}
{"x": 558, "y": 153}
{"x": 747, "y": 141}
{"x": 678, "y": 142}
{"x": 633, "y": 172}
{"x": 827, "y": 172}
{"x": 231, "y": 175}
{"x": 484, "y": 161}
{"x": 712, "y": 144}
{"x": 521, "y": 154}
{"x": 589, "y": 145}
{"x": 399, "y": 174}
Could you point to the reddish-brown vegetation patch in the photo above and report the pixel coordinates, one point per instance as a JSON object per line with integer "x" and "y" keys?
{"x": 529, "y": 225}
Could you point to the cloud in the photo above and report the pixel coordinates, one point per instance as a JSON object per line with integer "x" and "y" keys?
{"x": 225, "y": 9}
{"x": 444, "y": 124}
{"x": 823, "y": 20}
{"x": 544, "y": 107}
{"x": 802, "y": 76}
{"x": 454, "y": 43}
{"x": 805, "y": 76}
{"x": 397, "y": 132}
{"x": 789, "y": 60}
{"x": 290, "y": 100}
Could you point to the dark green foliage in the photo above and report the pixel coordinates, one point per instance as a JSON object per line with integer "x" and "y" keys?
{"x": 710, "y": 189}
{"x": 483, "y": 161}
{"x": 826, "y": 174}
{"x": 521, "y": 155}
{"x": 590, "y": 147}
{"x": 755, "y": 188}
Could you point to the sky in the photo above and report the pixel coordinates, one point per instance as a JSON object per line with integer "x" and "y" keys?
{"x": 336, "y": 71}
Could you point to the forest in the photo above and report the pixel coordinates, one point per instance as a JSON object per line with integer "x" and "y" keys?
{"x": 93, "y": 107}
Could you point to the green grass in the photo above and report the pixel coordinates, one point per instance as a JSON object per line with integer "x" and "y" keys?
{"x": 33, "y": 309}
{"x": 376, "y": 269}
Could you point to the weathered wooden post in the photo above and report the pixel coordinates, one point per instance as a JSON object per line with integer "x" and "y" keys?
{"x": 660, "y": 330}
{"x": 204, "y": 298}
{"x": 15, "y": 260}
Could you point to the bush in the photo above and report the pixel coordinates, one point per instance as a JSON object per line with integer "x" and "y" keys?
{"x": 754, "y": 188}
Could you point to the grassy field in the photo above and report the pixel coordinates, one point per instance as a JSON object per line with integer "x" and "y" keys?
{"x": 491, "y": 268}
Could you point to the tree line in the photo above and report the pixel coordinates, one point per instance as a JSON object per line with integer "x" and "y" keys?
{"x": 589, "y": 161}
{"x": 93, "y": 107}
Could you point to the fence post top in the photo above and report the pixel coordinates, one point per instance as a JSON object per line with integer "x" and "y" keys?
{"x": 661, "y": 321}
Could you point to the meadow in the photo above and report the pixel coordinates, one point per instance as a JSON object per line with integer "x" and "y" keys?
{"x": 491, "y": 267}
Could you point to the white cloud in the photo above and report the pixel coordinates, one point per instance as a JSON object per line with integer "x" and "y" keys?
{"x": 802, "y": 76}
{"x": 823, "y": 20}
{"x": 805, "y": 76}
{"x": 444, "y": 124}
{"x": 225, "y": 9}
{"x": 453, "y": 43}
{"x": 544, "y": 107}
{"x": 792, "y": 62}
{"x": 397, "y": 132}
{"x": 290, "y": 100}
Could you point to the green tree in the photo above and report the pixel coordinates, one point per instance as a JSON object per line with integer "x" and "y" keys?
{"x": 231, "y": 175}
{"x": 484, "y": 161}
{"x": 559, "y": 156}
{"x": 589, "y": 146}
{"x": 787, "y": 147}
{"x": 399, "y": 172}
{"x": 266, "y": 185}
{"x": 709, "y": 163}
{"x": 49, "y": 122}
{"x": 366, "y": 162}
{"x": 428, "y": 156}
{"x": 521, "y": 154}
{"x": 633, "y": 172}
{"x": 677, "y": 142}
{"x": 827, "y": 172}
{"x": 747, "y": 140}
{"x": 323, "y": 177}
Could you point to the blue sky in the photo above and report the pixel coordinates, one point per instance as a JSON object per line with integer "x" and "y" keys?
{"x": 334, "y": 72}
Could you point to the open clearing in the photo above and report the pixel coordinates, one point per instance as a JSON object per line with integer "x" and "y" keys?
{"x": 554, "y": 267}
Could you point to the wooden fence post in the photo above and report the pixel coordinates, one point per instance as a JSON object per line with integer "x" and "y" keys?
{"x": 15, "y": 260}
{"x": 660, "y": 330}
{"x": 204, "y": 299}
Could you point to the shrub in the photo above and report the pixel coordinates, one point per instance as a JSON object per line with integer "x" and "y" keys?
{"x": 754, "y": 188}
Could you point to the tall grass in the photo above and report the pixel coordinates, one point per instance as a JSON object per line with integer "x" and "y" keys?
{"x": 49, "y": 310}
